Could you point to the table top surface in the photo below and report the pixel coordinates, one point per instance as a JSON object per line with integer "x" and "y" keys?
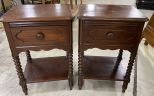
{"x": 110, "y": 12}
{"x": 38, "y": 13}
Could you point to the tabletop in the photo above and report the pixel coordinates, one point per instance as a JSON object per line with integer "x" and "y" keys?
{"x": 38, "y": 13}
{"x": 110, "y": 12}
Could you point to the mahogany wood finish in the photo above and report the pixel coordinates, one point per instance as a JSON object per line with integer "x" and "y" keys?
{"x": 119, "y": 58}
{"x": 108, "y": 27}
{"x": 40, "y": 27}
{"x": 29, "y": 58}
{"x": 22, "y": 80}
{"x": 96, "y": 67}
{"x": 46, "y": 72}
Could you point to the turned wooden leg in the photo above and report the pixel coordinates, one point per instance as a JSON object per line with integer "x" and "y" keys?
{"x": 55, "y": 1}
{"x": 23, "y": 1}
{"x": 119, "y": 58}
{"x": 80, "y": 70}
{"x": 29, "y": 59}
{"x": 145, "y": 43}
{"x": 128, "y": 72}
{"x": 32, "y": 1}
{"x": 76, "y": 2}
{"x": 135, "y": 79}
{"x": 70, "y": 75}
{"x": 22, "y": 80}
{"x": 52, "y": 1}
{"x": 58, "y": 1}
{"x": 71, "y": 3}
{"x": 3, "y": 6}
{"x": 43, "y": 1}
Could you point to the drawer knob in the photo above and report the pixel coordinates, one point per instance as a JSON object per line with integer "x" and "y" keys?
{"x": 110, "y": 35}
{"x": 39, "y": 36}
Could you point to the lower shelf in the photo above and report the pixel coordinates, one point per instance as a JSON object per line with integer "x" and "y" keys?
{"x": 96, "y": 67}
{"x": 46, "y": 69}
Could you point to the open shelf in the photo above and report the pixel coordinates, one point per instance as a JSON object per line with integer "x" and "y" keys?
{"x": 96, "y": 67}
{"x": 46, "y": 69}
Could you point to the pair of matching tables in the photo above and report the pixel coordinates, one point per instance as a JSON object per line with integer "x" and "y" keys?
{"x": 45, "y": 27}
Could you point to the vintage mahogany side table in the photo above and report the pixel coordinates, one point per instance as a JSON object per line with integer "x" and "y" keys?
{"x": 108, "y": 27}
{"x": 40, "y": 27}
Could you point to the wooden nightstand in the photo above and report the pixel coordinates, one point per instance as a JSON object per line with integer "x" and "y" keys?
{"x": 40, "y": 27}
{"x": 108, "y": 27}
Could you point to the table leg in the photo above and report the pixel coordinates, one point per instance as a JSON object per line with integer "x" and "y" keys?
{"x": 29, "y": 59}
{"x": 119, "y": 58}
{"x": 22, "y": 80}
{"x": 81, "y": 1}
{"x": 70, "y": 75}
{"x": 128, "y": 72}
{"x": 43, "y": 1}
{"x": 80, "y": 69}
{"x": 58, "y": 1}
{"x": 3, "y": 6}
{"x": 55, "y": 1}
{"x": 76, "y": 2}
{"x": 145, "y": 43}
{"x": 71, "y": 3}
{"x": 135, "y": 79}
{"x": 23, "y": 1}
{"x": 32, "y": 1}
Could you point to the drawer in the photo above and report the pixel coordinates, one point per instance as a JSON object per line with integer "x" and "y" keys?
{"x": 39, "y": 35}
{"x": 109, "y": 32}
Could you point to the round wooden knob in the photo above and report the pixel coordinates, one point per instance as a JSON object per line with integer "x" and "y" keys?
{"x": 39, "y": 36}
{"x": 110, "y": 35}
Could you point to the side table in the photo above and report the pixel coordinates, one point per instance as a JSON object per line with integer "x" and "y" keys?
{"x": 40, "y": 27}
{"x": 108, "y": 27}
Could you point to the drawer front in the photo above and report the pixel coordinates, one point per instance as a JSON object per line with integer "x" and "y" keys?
{"x": 109, "y": 32}
{"x": 39, "y": 35}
